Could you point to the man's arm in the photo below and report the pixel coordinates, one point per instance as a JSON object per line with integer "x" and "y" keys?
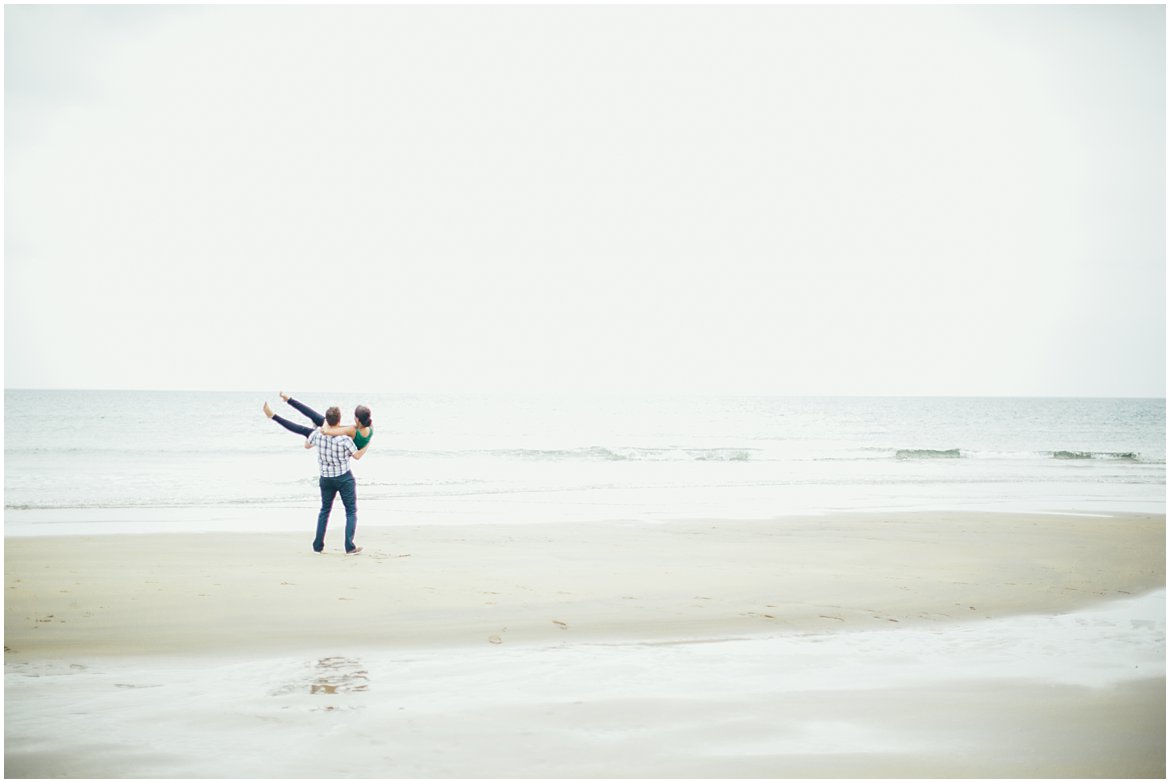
{"x": 331, "y": 429}
{"x": 361, "y": 452}
{"x": 308, "y": 445}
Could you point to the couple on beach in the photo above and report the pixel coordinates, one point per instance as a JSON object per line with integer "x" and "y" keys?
{"x": 336, "y": 445}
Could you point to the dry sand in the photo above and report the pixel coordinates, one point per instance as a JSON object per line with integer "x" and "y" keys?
{"x": 925, "y": 644}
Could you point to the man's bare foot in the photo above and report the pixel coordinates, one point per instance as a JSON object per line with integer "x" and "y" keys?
{"x": 284, "y": 396}
{"x": 267, "y": 411}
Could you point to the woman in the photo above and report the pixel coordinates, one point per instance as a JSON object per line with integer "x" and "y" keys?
{"x": 361, "y": 432}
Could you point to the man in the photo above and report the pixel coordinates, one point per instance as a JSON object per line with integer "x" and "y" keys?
{"x": 333, "y": 455}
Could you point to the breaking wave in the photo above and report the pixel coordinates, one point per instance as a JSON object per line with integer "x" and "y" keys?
{"x": 633, "y": 454}
{"x": 928, "y": 454}
{"x": 1123, "y": 456}
{"x": 597, "y": 454}
{"x": 1129, "y": 456}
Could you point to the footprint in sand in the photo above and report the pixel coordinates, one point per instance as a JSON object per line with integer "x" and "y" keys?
{"x": 329, "y": 676}
{"x": 339, "y": 675}
{"x": 564, "y": 626}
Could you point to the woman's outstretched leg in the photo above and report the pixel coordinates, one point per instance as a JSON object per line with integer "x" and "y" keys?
{"x": 288, "y": 425}
{"x": 315, "y": 417}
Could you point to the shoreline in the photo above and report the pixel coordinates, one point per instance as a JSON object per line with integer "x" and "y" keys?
{"x": 294, "y": 519}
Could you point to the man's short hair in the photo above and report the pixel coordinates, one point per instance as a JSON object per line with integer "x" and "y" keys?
{"x": 333, "y": 416}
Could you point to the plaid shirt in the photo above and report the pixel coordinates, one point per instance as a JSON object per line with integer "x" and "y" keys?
{"x": 333, "y": 453}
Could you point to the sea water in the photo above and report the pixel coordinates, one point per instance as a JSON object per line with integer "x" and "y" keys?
{"x": 121, "y": 461}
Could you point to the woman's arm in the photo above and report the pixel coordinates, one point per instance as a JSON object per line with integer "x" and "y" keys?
{"x": 329, "y": 429}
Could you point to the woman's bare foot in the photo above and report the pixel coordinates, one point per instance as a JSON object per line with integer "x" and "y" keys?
{"x": 284, "y": 396}
{"x": 267, "y": 411}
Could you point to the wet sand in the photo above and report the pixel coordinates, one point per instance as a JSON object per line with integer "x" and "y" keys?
{"x": 852, "y": 645}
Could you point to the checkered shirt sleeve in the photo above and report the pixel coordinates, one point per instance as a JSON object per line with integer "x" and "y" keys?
{"x": 333, "y": 453}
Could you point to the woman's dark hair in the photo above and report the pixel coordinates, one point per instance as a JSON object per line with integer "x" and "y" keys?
{"x": 362, "y": 414}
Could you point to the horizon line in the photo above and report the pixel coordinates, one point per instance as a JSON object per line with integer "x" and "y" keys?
{"x": 859, "y": 395}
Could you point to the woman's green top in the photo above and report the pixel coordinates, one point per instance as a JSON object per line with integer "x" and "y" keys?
{"x": 360, "y": 440}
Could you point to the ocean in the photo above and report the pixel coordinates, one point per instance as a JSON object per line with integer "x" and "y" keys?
{"x": 132, "y": 461}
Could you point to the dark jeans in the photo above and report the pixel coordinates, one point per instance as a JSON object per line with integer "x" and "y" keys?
{"x": 330, "y": 487}
{"x": 300, "y": 429}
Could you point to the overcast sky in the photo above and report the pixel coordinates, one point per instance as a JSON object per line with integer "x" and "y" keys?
{"x": 750, "y": 200}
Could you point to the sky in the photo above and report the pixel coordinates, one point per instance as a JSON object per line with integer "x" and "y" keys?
{"x": 765, "y": 199}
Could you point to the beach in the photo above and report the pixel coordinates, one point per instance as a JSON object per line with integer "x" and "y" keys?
{"x": 761, "y": 391}
{"x": 938, "y": 644}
